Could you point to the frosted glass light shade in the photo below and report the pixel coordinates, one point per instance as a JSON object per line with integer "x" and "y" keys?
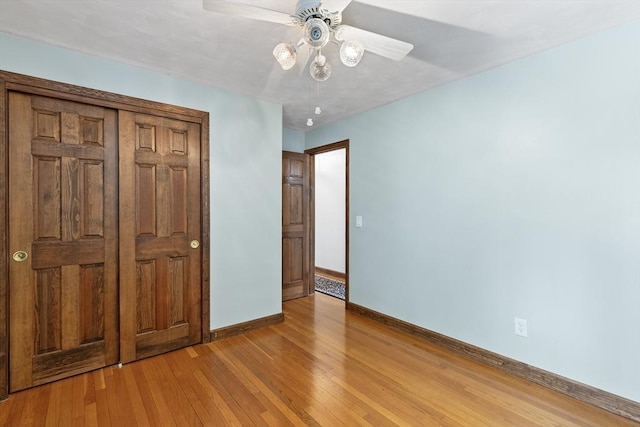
{"x": 320, "y": 68}
{"x": 285, "y": 54}
{"x": 351, "y": 52}
{"x": 316, "y": 33}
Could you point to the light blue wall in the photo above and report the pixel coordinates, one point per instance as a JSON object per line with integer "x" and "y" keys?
{"x": 245, "y": 152}
{"x": 292, "y": 140}
{"x": 515, "y": 192}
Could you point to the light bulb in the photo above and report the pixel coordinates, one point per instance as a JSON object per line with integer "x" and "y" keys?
{"x": 309, "y": 121}
{"x": 320, "y": 68}
{"x": 285, "y": 54}
{"x": 351, "y": 52}
{"x": 318, "y": 110}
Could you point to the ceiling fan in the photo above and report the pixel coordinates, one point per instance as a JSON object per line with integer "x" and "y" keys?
{"x": 321, "y": 23}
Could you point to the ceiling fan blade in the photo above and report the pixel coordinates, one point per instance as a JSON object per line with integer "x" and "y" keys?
{"x": 247, "y": 11}
{"x": 335, "y": 5}
{"x": 376, "y": 43}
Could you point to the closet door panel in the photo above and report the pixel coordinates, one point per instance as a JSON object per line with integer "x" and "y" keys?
{"x": 62, "y": 233}
{"x": 160, "y": 230}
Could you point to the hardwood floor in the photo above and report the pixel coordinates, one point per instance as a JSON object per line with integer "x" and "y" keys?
{"x": 322, "y": 366}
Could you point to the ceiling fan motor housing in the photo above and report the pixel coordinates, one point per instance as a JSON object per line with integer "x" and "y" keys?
{"x": 310, "y": 9}
{"x": 316, "y": 33}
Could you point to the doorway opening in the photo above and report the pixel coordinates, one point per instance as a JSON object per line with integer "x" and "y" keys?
{"x": 329, "y": 219}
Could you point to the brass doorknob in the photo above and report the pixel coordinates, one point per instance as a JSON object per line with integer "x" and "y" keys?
{"x": 195, "y": 244}
{"x": 20, "y": 256}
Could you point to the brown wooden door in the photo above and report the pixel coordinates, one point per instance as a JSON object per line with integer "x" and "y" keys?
{"x": 160, "y": 288}
{"x": 295, "y": 217}
{"x": 63, "y": 218}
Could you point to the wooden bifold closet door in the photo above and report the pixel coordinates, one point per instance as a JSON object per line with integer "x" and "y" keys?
{"x": 104, "y": 232}
{"x": 159, "y": 235}
{"x": 63, "y": 287}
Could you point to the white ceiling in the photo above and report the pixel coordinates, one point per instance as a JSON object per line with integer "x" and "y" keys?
{"x": 452, "y": 39}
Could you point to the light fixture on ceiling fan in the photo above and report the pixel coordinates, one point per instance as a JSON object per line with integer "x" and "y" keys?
{"x": 321, "y": 23}
{"x": 318, "y": 29}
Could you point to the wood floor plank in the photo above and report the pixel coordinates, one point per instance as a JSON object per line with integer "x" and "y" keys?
{"x": 35, "y": 408}
{"x": 142, "y": 420}
{"x": 135, "y": 377}
{"x": 102, "y": 408}
{"x": 218, "y": 407}
{"x": 329, "y": 403}
{"x": 90, "y": 415}
{"x": 188, "y": 384}
{"x": 322, "y": 367}
{"x": 177, "y": 402}
{"x": 233, "y": 392}
{"x": 121, "y": 409}
{"x": 287, "y": 395}
{"x": 158, "y": 401}
{"x": 53, "y": 405}
{"x": 281, "y": 412}
{"x": 14, "y": 408}
{"x": 5, "y": 410}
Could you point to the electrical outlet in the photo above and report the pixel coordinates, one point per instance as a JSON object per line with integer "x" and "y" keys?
{"x": 521, "y": 327}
